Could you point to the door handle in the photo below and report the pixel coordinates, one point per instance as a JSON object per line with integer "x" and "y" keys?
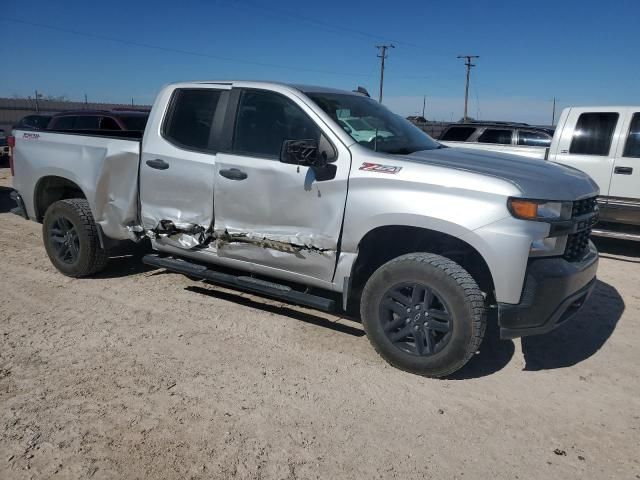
{"x": 233, "y": 174}
{"x": 158, "y": 164}
{"x": 623, "y": 170}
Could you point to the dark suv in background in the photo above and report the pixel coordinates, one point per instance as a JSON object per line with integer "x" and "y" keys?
{"x": 501, "y": 133}
{"x": 115, "y": 119}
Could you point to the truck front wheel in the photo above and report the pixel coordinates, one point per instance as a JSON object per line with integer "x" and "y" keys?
{"x": 424, "y": 314}
{"x": 71, "y": 238}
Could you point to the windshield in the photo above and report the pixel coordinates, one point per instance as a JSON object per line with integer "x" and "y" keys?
{"x": 358, "y": 124}
{"x": 394, "y": 134}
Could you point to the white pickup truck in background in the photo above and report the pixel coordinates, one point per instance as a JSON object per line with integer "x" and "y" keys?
{"x": 603, "y": 142}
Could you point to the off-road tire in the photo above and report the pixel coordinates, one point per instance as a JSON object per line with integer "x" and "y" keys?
{"x": 91, "y": 257}
{"x": 450, "y": 282}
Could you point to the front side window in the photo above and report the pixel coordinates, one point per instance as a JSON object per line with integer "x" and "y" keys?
{"x": 87, "y": 123}
{"x": 594, "y": 133}
{"x": 383, "y": 130}
{"x": 533, "y": 139}
{"x": 63, "y": 123}
{"x": 458, "y": 134}
{"x": 496, "y": 135}
{"x": 632, "y": 147}
{"x": 265, "y": 120}
{"x": 190, "y": 118}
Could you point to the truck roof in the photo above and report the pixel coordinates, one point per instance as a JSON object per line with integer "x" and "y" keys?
{"x": 269, "y": 84}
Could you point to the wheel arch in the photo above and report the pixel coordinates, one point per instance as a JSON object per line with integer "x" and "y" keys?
{"x": 51, "y": 188}
{"x": 384, "y": 243}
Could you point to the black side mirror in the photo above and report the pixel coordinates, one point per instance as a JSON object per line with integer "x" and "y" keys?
{"x": 300, "y": 152}
{"x": 309, "y": 153}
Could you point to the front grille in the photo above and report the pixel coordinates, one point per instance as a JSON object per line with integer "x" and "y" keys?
{"x": 578, "y": 243}
{"x": 582, "y": 207}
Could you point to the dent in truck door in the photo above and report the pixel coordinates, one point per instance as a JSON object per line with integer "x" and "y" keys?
{"x": 177, "y": 167}
{"x": 273, "y": 213}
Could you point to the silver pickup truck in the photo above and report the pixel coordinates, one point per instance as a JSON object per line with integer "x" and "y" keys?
{"x": 258, "y": 186}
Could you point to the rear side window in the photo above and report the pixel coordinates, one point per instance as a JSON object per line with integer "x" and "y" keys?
{"x": 265, "y": 120}
{"x": 593, "y": 134}
{"x": 533, "y": 139}
{"x": 87, "y": 123}
{"x": 458, "y": 134}
{"x": 108, "y": 123}
{"x": 135, "y": 122}
{"x": 632, "y": 147}
{"x": 190, "y": 117}
{"x": 63, "y": 123}
{"x": 495, "y": 135}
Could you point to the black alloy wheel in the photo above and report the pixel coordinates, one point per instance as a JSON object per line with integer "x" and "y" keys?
{"x": 416, "y": 320}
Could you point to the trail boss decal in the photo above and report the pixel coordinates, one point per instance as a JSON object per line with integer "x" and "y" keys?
{"x": 30, "y": 136}
{"x": 379, "y": 168}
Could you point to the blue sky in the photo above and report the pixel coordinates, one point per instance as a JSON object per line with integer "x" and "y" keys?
{"x": 582, "y": 52}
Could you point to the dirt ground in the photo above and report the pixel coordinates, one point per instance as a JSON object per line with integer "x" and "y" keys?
{"x": 139, "y": 373}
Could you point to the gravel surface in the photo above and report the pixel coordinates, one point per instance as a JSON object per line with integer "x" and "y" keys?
{"x": 139, "y": 373}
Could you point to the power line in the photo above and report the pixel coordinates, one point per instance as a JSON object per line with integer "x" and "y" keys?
{"x": 383, "y": 55}
{"x": 176, "y": 50}
{"x": 469, "y": 66}
{"x": 314, "y": 21}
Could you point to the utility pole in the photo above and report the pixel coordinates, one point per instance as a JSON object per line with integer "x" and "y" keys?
{"x": 553, "y": 114}
{"x": 383, "y": 54}
{"x": 37, "y": 105}
{"x": 424, "y": 104}
{"x": 469, "y": 65}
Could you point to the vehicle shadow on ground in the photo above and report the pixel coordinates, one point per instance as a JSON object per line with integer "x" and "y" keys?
{"x": 494, "y": 354}
{"x": 123, "y": 265}
{"x": 240, "y": 299}
{"x": 6, "y": 203}
{"x": 581, "y": 337}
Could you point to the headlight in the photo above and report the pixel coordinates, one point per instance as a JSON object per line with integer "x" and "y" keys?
{"x": 539, "y": 210}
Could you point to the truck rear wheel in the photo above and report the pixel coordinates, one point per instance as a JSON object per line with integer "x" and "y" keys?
{"x": 424, "y": 314}
{"x": 71, "y": 238}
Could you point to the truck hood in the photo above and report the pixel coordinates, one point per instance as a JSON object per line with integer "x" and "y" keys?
{"x": 538, "y": 179}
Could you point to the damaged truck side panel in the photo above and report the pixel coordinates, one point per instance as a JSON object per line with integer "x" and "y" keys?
{"x": 227, "y": 217}
{"x": 102, "y": 170}
{"x": 269, "y": 179}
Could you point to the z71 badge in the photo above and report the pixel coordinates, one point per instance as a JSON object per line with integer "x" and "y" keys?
{"x": 379, "y": 168}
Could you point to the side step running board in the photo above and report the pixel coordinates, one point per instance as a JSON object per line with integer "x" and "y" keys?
{"x": 249, "y": 284}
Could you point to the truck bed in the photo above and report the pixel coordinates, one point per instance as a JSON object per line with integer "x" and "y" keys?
{"x": 524, "y": 151}
{"x": 102, "y": 164}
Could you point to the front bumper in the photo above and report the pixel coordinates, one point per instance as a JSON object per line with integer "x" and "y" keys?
{"x": 554, "y": 290}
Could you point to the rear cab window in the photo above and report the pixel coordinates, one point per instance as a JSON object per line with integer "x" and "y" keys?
{"x": 594, "y": 133}
{"x": 496, "y": 135}
{"x": 190, "y": 118}
{"x": 458, "y": 134}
